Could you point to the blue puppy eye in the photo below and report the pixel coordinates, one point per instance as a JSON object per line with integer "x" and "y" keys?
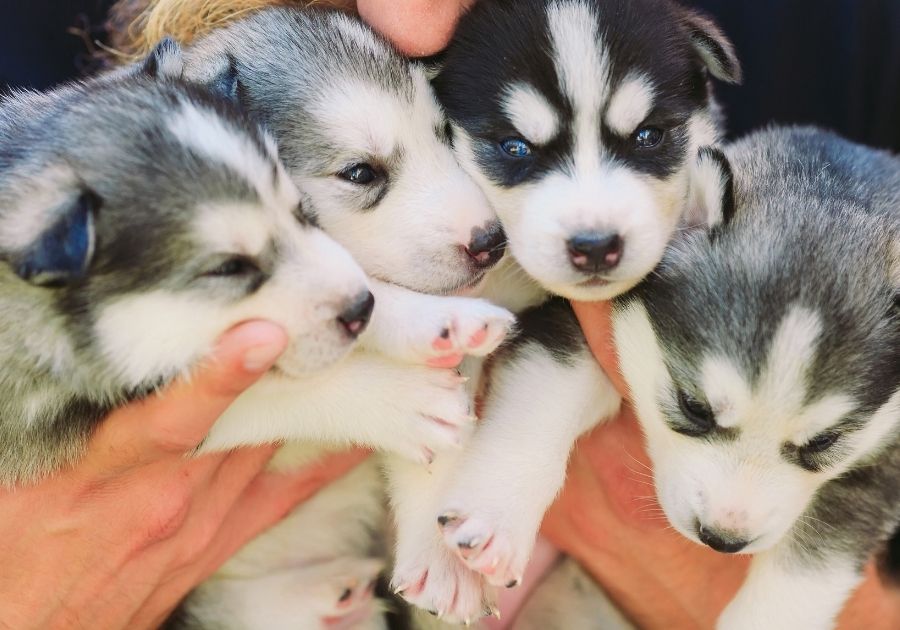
{"x": 648, "y": 137}
{"x": 516, "y": 147}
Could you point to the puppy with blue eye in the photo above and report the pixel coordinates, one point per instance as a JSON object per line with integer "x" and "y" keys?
{"x": 581, "y": 120}
{"x": 763, "y": 357}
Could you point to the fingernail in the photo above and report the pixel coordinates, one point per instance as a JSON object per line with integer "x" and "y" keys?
{"x": 261, "y": 358}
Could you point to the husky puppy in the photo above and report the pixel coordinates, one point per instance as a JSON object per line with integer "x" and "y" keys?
{"x": 763, "y": 357}
{"x": 361, "y": 132}
{"x": 139, "y": 220}
{"x": 581, "y": 120}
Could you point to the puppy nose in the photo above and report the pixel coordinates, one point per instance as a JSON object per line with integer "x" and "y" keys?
{"x": 487, "y": 245}
{"x": 721, "y": 540}
{"x": 355, "y": 317}
{"x": 595, "y": 251}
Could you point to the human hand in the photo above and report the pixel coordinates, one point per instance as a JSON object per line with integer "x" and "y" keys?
{"x": 416, "y": 27}
{"x": 117, "y": 541}
{"x": 608, "y": 519}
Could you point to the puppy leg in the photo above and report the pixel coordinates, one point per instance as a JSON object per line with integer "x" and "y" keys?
{"x": 781, "y": 593}
{"x": 426, "y": 573}
{"x": 369, "y": 400}
{"x": 437, "y": 331}
{"x": 540, "y": 399}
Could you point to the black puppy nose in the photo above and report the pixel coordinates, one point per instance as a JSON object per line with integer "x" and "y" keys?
{"x": 355, "y": 317}
{"x": 720, "y": 540}
{"x": 594, "y": 251}
{"x": 487, "y": 245}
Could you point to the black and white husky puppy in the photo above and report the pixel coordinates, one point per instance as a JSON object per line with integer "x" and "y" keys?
{"x": 140, "y": 218}
{"x": 763, "y": 357}
{"x": 581, "y": 120}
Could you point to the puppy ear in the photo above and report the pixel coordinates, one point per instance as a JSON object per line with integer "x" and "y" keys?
{"x": 62, "y": 253}
{"x": 226, "y": 84}
{"x": 714, "y": 48}
{"x": 711, "y": 190}
{"x": 166, "y": 61}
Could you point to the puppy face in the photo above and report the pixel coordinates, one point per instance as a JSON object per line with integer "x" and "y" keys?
{"x": 578, "y": 124}
{"x": 170, "y": 220}
{"x": 360, "y": 131}
{"x": 763, "y": 358}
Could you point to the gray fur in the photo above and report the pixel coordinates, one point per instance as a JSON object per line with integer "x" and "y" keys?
{"x": 107, "y": 138}
{"x": 817, "y": 222}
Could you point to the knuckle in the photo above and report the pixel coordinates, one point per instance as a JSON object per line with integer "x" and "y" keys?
{"x": 165, "y": 513}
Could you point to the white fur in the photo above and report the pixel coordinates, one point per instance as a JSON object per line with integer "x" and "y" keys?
{"x": 205, "y": 133}
{"x": 779, "y": 596}
{"x": 427, "y": 216}
{"x": 531, "y": 113}
{"x": 744, "y": 485}
{"x": 630, "y": 104}
{"x": 500, "y": 485}
{"x": 304, "y": 299}
{"x": 582, "y": 66}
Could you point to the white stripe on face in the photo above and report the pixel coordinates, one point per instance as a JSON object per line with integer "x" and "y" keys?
{"x": 583, "y": 69}
{"x": 531, "y": 113}
{"x": 206, "y": 133}
{"x": 791, "y": 354}
{"x": 630, "y": 104}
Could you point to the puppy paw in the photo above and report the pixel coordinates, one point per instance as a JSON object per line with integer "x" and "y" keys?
{"x": 447, "y": 329}
{"x": 497, "y": 553}
{"x": 434, "y": 410}
{"x": 346, "y": 585}
{"x": 441, "y": 585}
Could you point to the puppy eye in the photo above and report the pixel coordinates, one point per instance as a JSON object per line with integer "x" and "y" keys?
{"x": 516, "y": 147}
{"x": 236, "y": 266}
{"x": 821, "y": 442}
{"x": 699, "y": 414}
{"x": 361, "y": 174}
{"x": 648, "y": 137}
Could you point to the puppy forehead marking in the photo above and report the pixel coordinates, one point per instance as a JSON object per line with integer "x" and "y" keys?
{"x": 208, "y": 135}
{"x": 360, "y": 116}
{"x": 582, "y": 66}
{"x": 233, "y": 228}
{"x": 630, "y": 104}
{"x": 531, "y": 113}
{"x": 783, "y": 383}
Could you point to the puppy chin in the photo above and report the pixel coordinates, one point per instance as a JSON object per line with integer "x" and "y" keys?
{"x": 301, "y": 360}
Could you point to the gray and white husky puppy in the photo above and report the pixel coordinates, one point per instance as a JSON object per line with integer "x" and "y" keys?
{"x": 140, "y": 218}
{"x": 763, "y": 357}
{"x": 362, "y": 134}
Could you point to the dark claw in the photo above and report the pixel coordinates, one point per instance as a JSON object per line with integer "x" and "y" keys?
{"x": 433, "y": 613}
{"x": 345, "y": 595}
{"x": 445, "y": 333}
{"x": 512, "y": 584}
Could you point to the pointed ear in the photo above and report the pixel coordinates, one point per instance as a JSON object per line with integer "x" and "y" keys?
{"x": 226, "y": 84}
{"x": 714, "y": 48}
{"x": 166, "y": 61}
{"x": 711, "y": 190}
{"x": 63, "y": 252}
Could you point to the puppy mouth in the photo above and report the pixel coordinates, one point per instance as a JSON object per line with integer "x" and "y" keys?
{"x": 593, "y": 283}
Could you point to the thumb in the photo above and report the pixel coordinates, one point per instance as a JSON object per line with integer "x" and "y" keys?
{"x": 177, "y": 420}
